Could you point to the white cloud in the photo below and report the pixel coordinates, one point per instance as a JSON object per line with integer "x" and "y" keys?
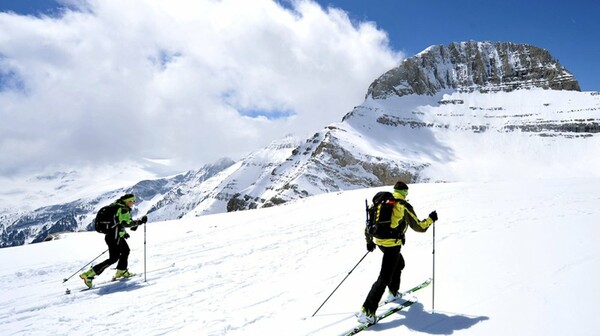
{"x": 189, "y": 80}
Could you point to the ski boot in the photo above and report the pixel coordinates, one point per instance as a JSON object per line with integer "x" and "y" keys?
{"x": 393, "y": 297}
{"x": 366, "y": 316}
{"x": 87, "y": 277}
{"x": 122, "y": 274}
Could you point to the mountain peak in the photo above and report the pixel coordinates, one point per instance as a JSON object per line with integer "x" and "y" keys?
{"x": 474, "y": 66}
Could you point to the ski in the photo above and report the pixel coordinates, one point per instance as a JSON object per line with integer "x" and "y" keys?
{"x": 364, "y": 326}
{"x": 105, "y": 283}
{"x": 410, "y": 291}
{"x": 403, "y": 305}
{"x": 113, "y": 279}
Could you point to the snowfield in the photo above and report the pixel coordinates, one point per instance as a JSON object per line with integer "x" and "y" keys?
{"x": 517, "y": 257}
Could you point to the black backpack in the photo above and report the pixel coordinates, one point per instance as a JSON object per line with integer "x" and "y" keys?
{"x": 105, "y": 219}
{"x": 379, "y": 216}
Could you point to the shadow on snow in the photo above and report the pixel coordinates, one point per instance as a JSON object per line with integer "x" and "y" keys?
{"x": 125, "y": 286}
{"x": 436, "y": 323}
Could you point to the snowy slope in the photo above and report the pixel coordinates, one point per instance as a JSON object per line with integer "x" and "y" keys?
{"x": 515, "y": 257}
{"x": 467, "y": 136}
{"x": 449, "y": 137}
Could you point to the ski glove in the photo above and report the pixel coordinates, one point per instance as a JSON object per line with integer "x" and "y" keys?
{"x": 433, "y": 215}
{"x": 138, "y": 222}
{"x": 123, "y": 234}
{"x": 370, "y": 246}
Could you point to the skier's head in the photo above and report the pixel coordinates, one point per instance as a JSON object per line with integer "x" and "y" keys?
{"x": 128, "y": 199}
{"x": 401, "y": 187}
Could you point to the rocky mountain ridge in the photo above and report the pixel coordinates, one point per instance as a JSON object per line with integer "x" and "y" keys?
{"x": 439, "y": 116}
{"x": 18, "y": 228}
{"x": 474, "y": 66}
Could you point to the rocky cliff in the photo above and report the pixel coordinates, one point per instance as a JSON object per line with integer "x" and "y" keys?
{"x": 470, "y": 66}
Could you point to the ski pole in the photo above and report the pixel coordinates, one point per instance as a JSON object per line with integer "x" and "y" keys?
{"x": 433, "y": 276}
{"x": 145, "y": 252}
{"x": 67, "y": 279}
{"x": 338, "y": 286}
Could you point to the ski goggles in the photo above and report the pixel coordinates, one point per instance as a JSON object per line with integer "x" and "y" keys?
{"x": 130, "y": 199}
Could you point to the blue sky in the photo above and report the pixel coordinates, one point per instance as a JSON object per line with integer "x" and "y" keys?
{"x": 29, "y": 7}
{"x": 236, "y": 74}
{"x": 570, "y": 30}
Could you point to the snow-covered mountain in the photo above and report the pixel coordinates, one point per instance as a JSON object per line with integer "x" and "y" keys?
{"x": 450, "y": 113}
{"x": 447, "y": 114}
{"x": 19, "y": 227}
{"x": 221, "y": 192}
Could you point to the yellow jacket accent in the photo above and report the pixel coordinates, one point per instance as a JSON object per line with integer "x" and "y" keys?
{"x": 404, "y": 215}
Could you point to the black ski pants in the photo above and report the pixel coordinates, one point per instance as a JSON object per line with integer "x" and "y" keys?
{"x": 392, "y": 265}
{"x": 118, "y": 250}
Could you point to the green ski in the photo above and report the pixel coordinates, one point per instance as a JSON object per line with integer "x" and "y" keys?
{"x": 390, "y": 311}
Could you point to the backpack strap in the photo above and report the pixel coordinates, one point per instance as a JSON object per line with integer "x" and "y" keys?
{"x": 401, "y": 226}
{"x": 405, "y": 204}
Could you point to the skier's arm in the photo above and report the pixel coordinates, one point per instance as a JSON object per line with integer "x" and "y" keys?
{"x": 414, "y": 222}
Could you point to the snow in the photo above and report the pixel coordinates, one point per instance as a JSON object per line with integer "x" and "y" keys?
{"x": 513, "y": 257}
